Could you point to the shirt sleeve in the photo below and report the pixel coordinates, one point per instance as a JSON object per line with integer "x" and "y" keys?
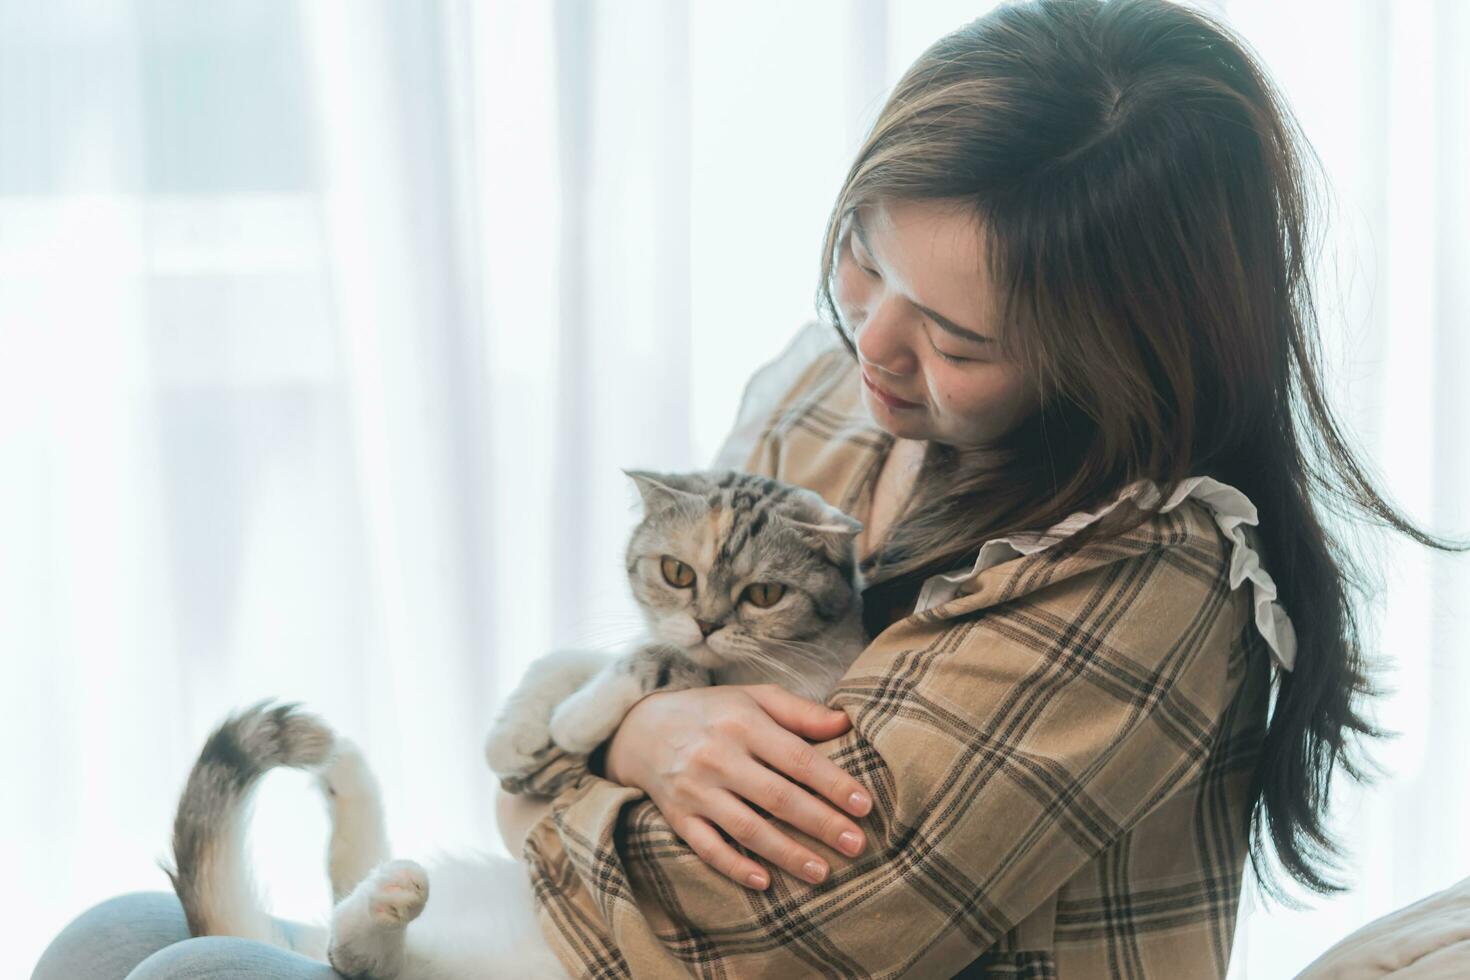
{"x": 1008, "y": 737}
{"x": 556, "y": 770}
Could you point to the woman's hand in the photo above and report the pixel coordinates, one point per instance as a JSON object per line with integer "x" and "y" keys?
{"x": 701, "y": 753}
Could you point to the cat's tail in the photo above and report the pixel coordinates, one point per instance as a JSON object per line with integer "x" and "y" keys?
{"x": 211, "y": 873}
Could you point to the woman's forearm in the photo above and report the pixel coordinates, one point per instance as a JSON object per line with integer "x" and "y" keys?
{"x": 516, "y": 814}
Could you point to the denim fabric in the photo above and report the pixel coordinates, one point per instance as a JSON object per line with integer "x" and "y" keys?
{"x": 143, "y": 936}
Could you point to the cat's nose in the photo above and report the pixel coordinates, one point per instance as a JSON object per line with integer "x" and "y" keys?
{"x": 706, "y": 628}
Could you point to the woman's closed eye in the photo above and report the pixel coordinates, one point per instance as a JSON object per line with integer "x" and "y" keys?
{"x": 850, "y": 240}
{"x": 951, "y": 358}
{"x": 944, "y": 355}
{"x": 852, "y": 249}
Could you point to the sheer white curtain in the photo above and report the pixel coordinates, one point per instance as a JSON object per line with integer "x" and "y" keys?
{"x": 326, "y": 327}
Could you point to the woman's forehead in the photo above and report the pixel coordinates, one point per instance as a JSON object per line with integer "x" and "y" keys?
{"x": 934, "y": 252}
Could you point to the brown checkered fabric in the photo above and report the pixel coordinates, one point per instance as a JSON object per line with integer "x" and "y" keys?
{"x": 1059, "y": 759}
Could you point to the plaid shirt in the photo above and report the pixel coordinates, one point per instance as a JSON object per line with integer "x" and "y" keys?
{"x": 1059, "y": 756}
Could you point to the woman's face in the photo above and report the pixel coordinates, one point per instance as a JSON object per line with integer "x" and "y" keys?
{"x": 913, "y": 290}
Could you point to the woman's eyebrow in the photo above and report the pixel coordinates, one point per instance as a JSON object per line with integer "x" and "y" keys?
{"x": 943, "y": 322}
{"x": 949, "y": 326}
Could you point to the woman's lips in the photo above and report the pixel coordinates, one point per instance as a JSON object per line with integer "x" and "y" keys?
{"x": 888, "y": 398}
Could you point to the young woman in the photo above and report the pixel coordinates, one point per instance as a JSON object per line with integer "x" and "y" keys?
{"x": 1068, "y": 380}
{"x": 1068, "y": 279}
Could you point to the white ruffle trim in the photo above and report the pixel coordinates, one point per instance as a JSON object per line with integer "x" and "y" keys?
{"x": 1233, "y": 511}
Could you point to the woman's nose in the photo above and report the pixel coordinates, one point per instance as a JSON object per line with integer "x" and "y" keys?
{"x": 884, "y": 340}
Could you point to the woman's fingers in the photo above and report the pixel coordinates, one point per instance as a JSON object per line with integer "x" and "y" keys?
{"x": 703, "y": 755}
{"x": 792, "y": 804}
{"x": 756, "y": 834}
{"x": 798, "y": 714}
{"x": 797, "y": 759}
{"x": 716, "y": 852}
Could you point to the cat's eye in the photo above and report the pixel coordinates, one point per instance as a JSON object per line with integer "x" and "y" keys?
{"x": 764, "y": 595}
{"x": 676, "y": 573}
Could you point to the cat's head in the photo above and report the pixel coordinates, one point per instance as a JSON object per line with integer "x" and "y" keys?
{"x": 731, "y": 566}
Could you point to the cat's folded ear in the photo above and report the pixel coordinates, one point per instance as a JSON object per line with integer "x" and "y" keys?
{"x": 662, "y": 489}
{"x": 835, "y": 534}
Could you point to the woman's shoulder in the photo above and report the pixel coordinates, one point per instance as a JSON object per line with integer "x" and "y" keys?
{"x": 811, "y": 357}
{"x": 1193, "y": 565}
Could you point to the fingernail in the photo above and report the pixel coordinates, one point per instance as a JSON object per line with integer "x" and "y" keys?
{"x": 813, "y": 871}
{"x": 858, "y": 801}
{"x": 756, "y": 880}
{"x": 849, "y": 842}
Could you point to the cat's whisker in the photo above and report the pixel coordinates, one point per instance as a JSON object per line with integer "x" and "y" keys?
{"x": 800, "y": 659}
{"x": 792, "y": 641}
{"x": 792, "y": 678}
{"x": 753, "y": 654}
{"x": 810, "y": 652}
{"x": 623, "y": 631}
{"x": 607, "y": 641}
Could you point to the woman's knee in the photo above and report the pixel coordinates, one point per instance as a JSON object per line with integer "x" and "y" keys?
{"x": 228, "y": 958}
{"x": 112, "y": 937}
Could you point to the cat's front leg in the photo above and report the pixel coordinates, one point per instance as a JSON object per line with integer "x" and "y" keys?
{"x": 588, "y": 718}
{"x": 521, "y": 734}
{"x": 369, "y": 925}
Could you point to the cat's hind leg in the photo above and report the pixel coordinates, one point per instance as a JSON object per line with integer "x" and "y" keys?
{"x": 359, "y": 836}
{"x": 369, "y": 925}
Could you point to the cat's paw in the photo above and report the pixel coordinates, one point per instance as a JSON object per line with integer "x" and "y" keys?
{"x": 517, "y": 743}
{"x": 346, "y": 775}
{"x": 397, "y": 893}
{"x": 368, "y": 928}
{"x": 579, "y": 725}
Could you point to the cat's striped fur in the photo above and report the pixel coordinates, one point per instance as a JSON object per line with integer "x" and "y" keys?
{"x": 732, "y": 530}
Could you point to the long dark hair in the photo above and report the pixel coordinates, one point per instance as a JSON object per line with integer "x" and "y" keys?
{"x": 1143, "y": 197}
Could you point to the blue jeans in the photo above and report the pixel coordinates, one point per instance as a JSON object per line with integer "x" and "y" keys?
{"x": 143, "y": 936}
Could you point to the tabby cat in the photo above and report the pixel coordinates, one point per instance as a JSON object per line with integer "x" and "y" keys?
{"x": 740, "y": 579}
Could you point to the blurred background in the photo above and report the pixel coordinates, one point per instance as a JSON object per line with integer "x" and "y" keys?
{"x": 326, "y": 327}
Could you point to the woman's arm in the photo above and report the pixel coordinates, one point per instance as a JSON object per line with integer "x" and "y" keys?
{"x": 704, "y": 755}
{"x": 515, "y": 815}
{"x": 723, "y": 745}
{"x": 1004, "y": 754}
